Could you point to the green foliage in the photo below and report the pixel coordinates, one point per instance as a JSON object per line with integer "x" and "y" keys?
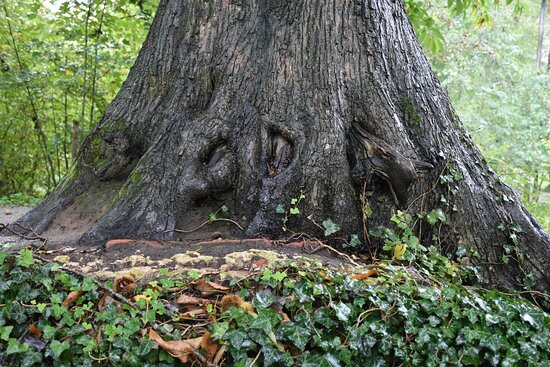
{"x": 32, "y": 293}
{"x": 428, "y": 17}
{"x": 493, "y": 83}
{"x": 19, "y": 199}
{"x": 336, "y": 320}
{"x": 394, "y": 315}
{"x": 292, "y": 210}
{"x": 330, "y": 227}
{"x": 55, "y": 55}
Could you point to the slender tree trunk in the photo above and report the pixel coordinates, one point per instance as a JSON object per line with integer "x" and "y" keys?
{"x": 250, "y": 103}
{"x": 82, "y": 125}
{"x": 41, "y": 136}
{"x": 94, "y": 73}
{"x": 540, "y": 42}
{"x": 65, "y": 128}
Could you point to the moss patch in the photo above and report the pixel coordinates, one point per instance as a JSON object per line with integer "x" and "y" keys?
{"x": 412, "y": 114}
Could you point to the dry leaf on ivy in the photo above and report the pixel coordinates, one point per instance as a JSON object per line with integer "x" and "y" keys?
{"x": 210, "y": 346}
{"x": 71, "y": 298}
{"x": 369, "y": 273}
{"x": 179, "y": 349}
{"x": 185, "y": 300}
{"x": 35, "y": 331}
{"x": 210, "y": 288}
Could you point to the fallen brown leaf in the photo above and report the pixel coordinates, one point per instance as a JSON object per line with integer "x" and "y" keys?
{"x": 284, "y": 316}
{"x": 35, "y": 331}
{"x": 219, "y": 355}
{"x": 232, "y": 300}
{"x": 211, "y": 347}
{"x": 71, "y": 298}
{"x": 105, "y": 300}
{"x": 195, "y": 313}
{"x": 327, "y": 277}
{"x": 185, "y": 300}
{"x": 210, "y": 288}
{"x": 369, "y": 273}
{"x": 176, "y": 348}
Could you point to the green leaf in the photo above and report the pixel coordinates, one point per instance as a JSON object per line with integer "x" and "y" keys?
{"x": 25, "y": 258}
{"x": 280, "y": 209}
{"x": 5, "y": 332}
{"x": 262, "y": 322}
{"x": 48, "y": 332}
{"x": 58, "y": 348}
{"x": 279, "y": 276}
{"x": 294, "y": 211}
{"x": 435, "y": 215}
{"x": 330, "y": 227}
{"x": 3, "y": 256}
{"x": 354, "y": 241}
{"x": 88, "y": 285}
{"x": 263, "y": 299}
{"x": 342, "y": 311}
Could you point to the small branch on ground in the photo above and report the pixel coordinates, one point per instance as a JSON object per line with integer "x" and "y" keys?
{"x": 205, "y": 223}
{"x": 21, "y": 235}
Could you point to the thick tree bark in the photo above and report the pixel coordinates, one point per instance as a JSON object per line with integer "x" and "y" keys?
{"x": 249, "y": 102}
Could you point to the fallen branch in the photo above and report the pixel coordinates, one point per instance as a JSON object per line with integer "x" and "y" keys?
{"x": 346, "y": 256}
{"x": 21, "y": 235}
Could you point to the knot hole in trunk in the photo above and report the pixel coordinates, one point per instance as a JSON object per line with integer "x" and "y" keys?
{"x": 281, "y": 153}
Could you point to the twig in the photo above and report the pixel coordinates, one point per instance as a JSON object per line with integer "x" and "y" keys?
{"x": 119, "y": 297}
{"x": 255, "y": 359}
{"x": 540, "y": 294}
{"x": 336, "y": 252}
{"x": 189, "y": 231}
{"x": 21, "y": 235}
{"x": 205, "y": 223}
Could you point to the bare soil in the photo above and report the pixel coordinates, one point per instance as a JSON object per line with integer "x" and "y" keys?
{"x": 212, "y": 248}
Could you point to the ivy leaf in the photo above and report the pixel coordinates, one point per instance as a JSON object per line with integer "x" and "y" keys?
{"x": 88, "y": 285}
{"x": 279, "y": 276}
{"x": 280, "y": 209}
{"x": 294, "y": 211}
{"x": 49, "y": 332}
{"x": 57, "y": 348}
{"x": 263, "y": 299}
{"x": 399, "y": 251}
{"x": 236, "y": 338}
{"x": 25, "y": 258}
{"x": 3, "y": 256}
{"x": 330, "y": 227}
{"x": 354, "y": 241}
{"x": 342, "y": 311}
{"x": 271, "y": 355}
{"x": 435, "y": 215}
{"x": 6, "y": 330}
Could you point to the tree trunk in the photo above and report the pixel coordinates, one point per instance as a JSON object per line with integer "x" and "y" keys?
{"x": 249, "y": 103}
{"x": 540, "y": 42}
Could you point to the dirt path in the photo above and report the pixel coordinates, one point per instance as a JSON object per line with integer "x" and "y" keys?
{"x": 9, "y": 214}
